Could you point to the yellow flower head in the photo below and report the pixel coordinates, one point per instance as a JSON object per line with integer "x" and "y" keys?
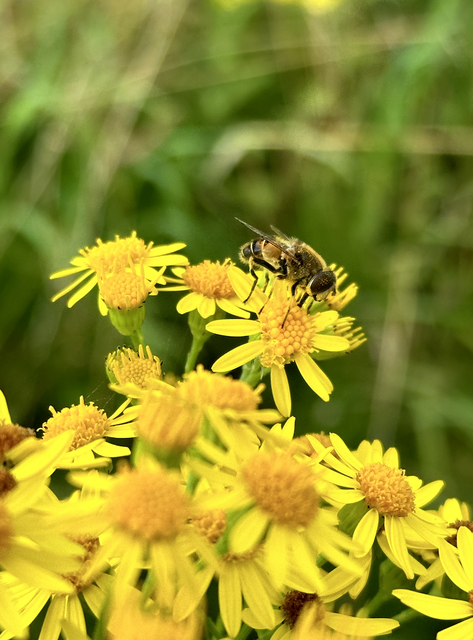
{"x": 127, "y": 366}
{"x": 458, "y": 567}
{"x": 393, "y": 499}
{"x": 114, "y": 257}
{"x": 210, "y": 287}
{"x": 284, "y": 333}
{"x": 91, "y": 426}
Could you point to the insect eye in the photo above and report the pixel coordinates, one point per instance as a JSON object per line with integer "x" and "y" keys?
{"x": 247, "y": 251}
{"x": 322, "y": 281}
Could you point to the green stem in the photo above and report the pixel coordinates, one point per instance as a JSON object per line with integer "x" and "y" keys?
{"x": 137, "y": 339}
{"x": 196, "y": 348}
{"x": 252, "y": 372}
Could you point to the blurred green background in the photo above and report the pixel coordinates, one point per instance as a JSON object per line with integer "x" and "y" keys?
{"x": 350, "y": 128}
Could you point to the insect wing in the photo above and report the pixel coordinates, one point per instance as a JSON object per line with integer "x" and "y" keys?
{"x": 271, "y": 239}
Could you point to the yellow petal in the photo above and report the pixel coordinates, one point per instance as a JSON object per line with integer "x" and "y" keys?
{"x": 229, "y": 307}
{"x": 4, "y": 413}
{"x": 206, "y": 307}
{"x": 330, "y": 343}
{"x": 189, "y": 302}
{"x": 83, "y": 291}
{"x": 234, "y": 328}
{"x": 314, "y": 376}
{"x": 281, "y": 391}
{"x": 434, "y": 606}
{"x": 359, "y": 626}
{"x": 238, "y": 356}
{"x": 365, "y": 532}
{"x": 229, "y": 597}
{"x": 465, "y": 549}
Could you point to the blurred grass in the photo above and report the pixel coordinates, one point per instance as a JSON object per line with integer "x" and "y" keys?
{"x": 351, "y": 130}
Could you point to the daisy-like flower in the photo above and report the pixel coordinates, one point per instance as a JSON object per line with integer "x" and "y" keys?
{"x": 458, "y": 567}
{"x": 392, "y": 499}
{"x": 91, "y": 427}
{"x": 209, "y": 287}
{"x": 283, "y": 333}
{"x": 145, "y": 520}
{"x": 115, "y": 256}
{"x": 172, "y": 416}
{"x": 306, "y": 617}
{"x": 132, "y": 619}
{"x": 281, "y": 498}
{"x": 126, "y": 366}
{"x": 63, "y": 606}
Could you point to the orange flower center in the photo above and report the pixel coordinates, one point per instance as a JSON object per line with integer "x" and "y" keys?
{"x": 284, "y": 333}
{"x": 116, "y": 255}
{"x": 203, "y": 388}
{"x": 386, "y": 490}
{"x": 296, "y": 601}
{"x": 282, "y": 487}
{"x": 210, "y": 279}
{"x": 133, "y": 367}
{"x": 90, "y": 545}
{"x": 211, "y": 524}
{"x": 123, "y": 290}
{"x": 11, "y": 435}
{"x": 88, "y": 421}
{"x": 149, "y": 504}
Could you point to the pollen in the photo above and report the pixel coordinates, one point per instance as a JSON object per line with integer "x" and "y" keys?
{"x": 117, "y": 254}
{"x": 210, "y": 279}
{"x": 283, "y": 488}
{"x": 11, "y": 435}
{"x": 456, "y": 525}
{"x": 123, "y": 290}
{"x": 204, "y": 388}
{"x": 211, "y": 524}
{"x": 386, "y": 490}
{"x": 88, "y": 421}
{"x": 149, "y": 505}
{"x": 90, "y": 545}
{"x": 296, "y": 601}
{"x": 134, "y": 367}
{"x": 7, "y": 482}
{"x": 251, "y": 554}
{"x": 6, "y": 530}
{"x": 284, "y": 332}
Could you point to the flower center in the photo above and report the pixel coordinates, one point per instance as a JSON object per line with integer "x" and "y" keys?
{"x": 123, "y": 290}
{"x": 294, "y": 603}
{"x": 211, "y": 524}
{"x": 149, "y": 504}
{"x": 386, "y": 490}
{"x": 284, "y": 333}
{"x": 116, "y": 254}
{"x": 283, "y": 488}
{"x": 133, "y": 367}
{"x": 6, "y": 529}
{"x": 11, "y": 435}
{"x": 88, "y": 421}
{"x": 7, "y": 481}
{"x": 243, "y": 557}
{"x": 204, "y": 388}
{"x": 90, "y": 545}
{"x": 210, "y": 279}
{"x": 456, "y": 525}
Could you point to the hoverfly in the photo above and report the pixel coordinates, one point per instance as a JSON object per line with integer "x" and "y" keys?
{"x": 289, "y": 259}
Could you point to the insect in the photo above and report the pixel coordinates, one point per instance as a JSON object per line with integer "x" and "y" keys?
{"x": 289, "y": 259}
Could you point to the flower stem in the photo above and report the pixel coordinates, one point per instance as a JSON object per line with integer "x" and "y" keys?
{"x": 137, "y": 339}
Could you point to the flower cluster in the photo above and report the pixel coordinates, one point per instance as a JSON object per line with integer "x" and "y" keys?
{"x": 213, "y": 497}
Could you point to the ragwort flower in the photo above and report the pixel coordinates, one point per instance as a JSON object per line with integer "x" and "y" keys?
{"x": 112, "y": 257}
{"x": 392, "y": 499}
{"x": 91, "y": 427}
{"x": 459, "y": 568}
{"x": 210, "y": 287}
{"x": 283, "y": 333}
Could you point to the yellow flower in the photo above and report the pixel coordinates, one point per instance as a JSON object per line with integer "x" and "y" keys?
{"x": 283, "y": 333}
{"x": 392, "y": 499}
{"x": 145, "y": 521}
{"x": 114, "y": 256}
{"x": 91, "y": 426}
{"x": 282, "y": 499}
{"x": 133, "y": 619}
{"x": 171, "y": 416}
{"x": 459, "y": 568}
{"x": 62, "y": 606}
{"x": 128, "y": 366}
{"x": 210, "y": 288}
{"x": 306, "y": 616}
